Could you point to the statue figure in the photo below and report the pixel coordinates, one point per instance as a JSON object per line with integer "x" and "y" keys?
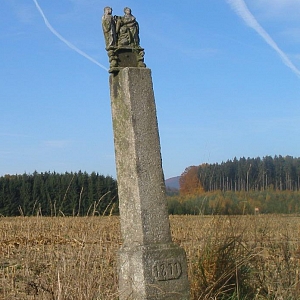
{"x": 122, "y": 40}
{"x": 127, "y": 29}
{"x": 109, "y": 28}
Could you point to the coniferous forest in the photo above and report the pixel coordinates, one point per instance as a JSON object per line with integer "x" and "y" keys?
{"x": 240, "y": 186}
{"x": 279, "y": 173}
{"x": 256, "y": 174}
{"x": 53, "y": 194}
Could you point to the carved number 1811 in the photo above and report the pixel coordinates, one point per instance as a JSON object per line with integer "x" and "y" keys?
{"x": 166, "y": 269}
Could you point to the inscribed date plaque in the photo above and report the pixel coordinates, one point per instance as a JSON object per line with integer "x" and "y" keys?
{"x": 164, "y": 270}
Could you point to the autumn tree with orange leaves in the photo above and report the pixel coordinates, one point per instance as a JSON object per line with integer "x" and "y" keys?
{"x": 189, "y": 183}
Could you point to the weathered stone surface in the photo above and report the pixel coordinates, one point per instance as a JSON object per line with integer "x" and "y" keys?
{"x": 153, "y": 272}
{"x": 141, "y": 185}
{"x": 121, "y": 35}
{"x": 151, "y": 266}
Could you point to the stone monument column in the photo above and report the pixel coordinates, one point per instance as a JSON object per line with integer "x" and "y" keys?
{"x": 151, "y": 266}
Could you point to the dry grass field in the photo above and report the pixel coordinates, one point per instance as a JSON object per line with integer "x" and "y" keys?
{"x": 247, "y": 257}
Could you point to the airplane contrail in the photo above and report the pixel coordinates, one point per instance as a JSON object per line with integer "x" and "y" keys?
{"x": 241, "y": 9}
{"x": 70, "y": 45}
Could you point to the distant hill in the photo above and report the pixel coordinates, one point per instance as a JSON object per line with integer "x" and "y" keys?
{"x": 173, "y": 183}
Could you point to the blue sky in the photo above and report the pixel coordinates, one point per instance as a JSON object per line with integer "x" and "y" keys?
{"x": 225, "y": 74}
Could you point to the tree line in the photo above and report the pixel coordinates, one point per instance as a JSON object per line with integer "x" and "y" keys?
{"x": 236, "y": 203}
{"x": 54, "y": 194}
{"x": 239, "y": 186}
{"x": 236, "y": 186}
{"x": 244, "y": 174}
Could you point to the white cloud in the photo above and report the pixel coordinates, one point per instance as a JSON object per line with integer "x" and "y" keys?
{"x": 14, "y": 135}
{"x": 291, "y": 35}
{"x": 5, "y": 153}
{"x": 65, "y": 41}
{"x": 279, "y": 4}
{"x": 277, "y": 9}
{"x": 23, "y": 12}
{"x": 199, "y": 53}
{"x": 59, "y": 144}
{"x": 241, "y": 9}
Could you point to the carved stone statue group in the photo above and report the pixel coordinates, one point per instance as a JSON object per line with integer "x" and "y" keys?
{"x": 122, "y": 40}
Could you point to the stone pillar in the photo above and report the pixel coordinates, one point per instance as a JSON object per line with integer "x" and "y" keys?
{"x": 150, "y": 265}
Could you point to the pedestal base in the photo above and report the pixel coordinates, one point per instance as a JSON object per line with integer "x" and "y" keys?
{"x": 153, "y": 272}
